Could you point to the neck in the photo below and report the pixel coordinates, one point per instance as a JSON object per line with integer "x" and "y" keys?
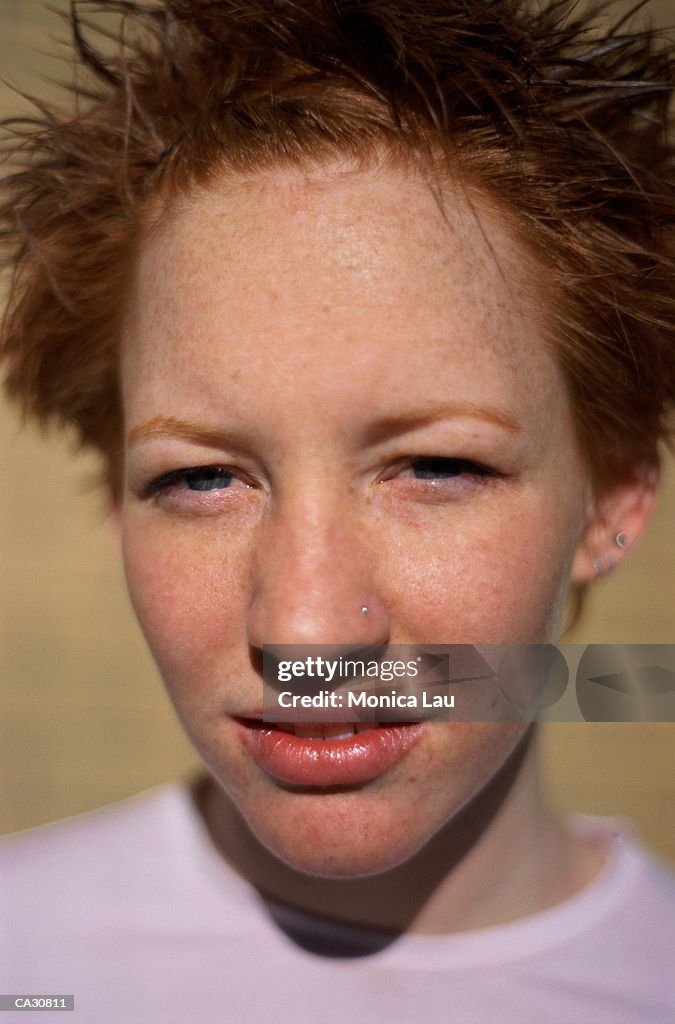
{"x": 502, "y": 857}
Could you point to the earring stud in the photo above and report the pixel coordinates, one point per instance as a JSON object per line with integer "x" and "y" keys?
{"x": 603, "y": 565}
{"x": 364, "y": 609}
{"x": 607, "y": 563}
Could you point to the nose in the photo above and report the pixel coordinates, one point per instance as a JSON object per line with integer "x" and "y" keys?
{"x": 314, "y": 579}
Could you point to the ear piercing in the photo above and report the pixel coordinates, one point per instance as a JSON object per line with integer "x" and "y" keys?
{"x": 603, "y": 565}
{"x": 606, "y": 563}
{"x": 364, "y": 609}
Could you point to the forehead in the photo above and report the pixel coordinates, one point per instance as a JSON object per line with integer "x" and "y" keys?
{"x": 334, "y": 270}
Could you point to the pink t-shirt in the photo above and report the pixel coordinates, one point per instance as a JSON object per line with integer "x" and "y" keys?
{"x": 131, "y": 909}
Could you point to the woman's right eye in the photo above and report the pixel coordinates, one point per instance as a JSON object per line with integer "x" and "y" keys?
{"x": 199, "y": 478}
{"x": 196, "y": 488}
{"x": 202, "y": 478}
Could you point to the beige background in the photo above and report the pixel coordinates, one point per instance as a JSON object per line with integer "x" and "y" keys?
{"x": 83, "y": 717}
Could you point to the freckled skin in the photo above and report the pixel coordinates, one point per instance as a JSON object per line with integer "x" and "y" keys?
{"x": 296, "y": 311}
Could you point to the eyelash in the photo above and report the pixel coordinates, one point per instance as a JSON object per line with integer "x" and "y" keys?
{"x": 441, "y": 464}
{"x": 461, "y": 467}
{"x": 176, "y": 476}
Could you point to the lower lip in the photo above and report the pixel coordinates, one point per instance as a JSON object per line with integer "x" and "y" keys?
{"x": 340, "y": 762}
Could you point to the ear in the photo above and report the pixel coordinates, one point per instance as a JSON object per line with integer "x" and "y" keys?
{"x": 616, "y": 520}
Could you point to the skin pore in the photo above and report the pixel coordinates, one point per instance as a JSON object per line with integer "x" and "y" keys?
{"x": 335, "y": 396}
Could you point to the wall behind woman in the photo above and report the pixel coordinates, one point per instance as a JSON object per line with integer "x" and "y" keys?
{"x": 84, "y": 718}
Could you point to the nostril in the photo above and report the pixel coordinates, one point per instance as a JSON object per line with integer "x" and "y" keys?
{"x": 256, "y": 659}
{"x": 333, "y": 607}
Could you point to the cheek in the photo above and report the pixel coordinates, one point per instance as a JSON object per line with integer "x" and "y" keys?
{"x": 489, "y": 579}
{"x": 186, "y": 587}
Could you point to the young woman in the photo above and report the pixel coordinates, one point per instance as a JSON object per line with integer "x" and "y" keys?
{"x": 368, "y": 308}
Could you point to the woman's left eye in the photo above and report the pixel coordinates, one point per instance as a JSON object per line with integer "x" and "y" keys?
{"x": 439, "y": 478}
{"x": 442, "y": 468}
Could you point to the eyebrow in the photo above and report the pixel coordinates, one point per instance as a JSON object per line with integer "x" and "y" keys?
{"x": 388, "y": 426}
{"x": 391, "y": 426}
{"x": 169, "y": 426}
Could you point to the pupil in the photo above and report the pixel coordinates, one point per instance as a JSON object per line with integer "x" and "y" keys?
{"x": 208, "y": 479}
{"x": 428, "y": 469}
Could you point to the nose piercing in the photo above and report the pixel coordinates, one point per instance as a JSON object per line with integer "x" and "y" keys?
{"x": 364, "y": 609}
{"x": 621, "y": 539}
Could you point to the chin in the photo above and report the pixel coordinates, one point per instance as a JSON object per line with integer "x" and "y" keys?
{"x": 345, "y": 834}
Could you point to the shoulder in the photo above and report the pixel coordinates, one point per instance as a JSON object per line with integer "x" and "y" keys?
{"x": 635, "y": 890}
{"x": 626, "y": 926}
{"x": 98, "y": 857}
{"x": 110, "y": 898}
{"x": 634, "y": 875}
{"x": 109, "y": 829}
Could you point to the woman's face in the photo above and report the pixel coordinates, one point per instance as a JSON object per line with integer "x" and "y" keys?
{"x": 334, "y": 398}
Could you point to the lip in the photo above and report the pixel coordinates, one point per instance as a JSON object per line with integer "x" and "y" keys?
{"x": 350, "y": 761}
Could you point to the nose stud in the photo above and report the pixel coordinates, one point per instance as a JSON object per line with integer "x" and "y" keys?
{"x": 364, "y": 609}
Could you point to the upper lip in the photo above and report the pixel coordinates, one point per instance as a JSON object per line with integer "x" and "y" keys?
{"x": 308, "y": 719}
